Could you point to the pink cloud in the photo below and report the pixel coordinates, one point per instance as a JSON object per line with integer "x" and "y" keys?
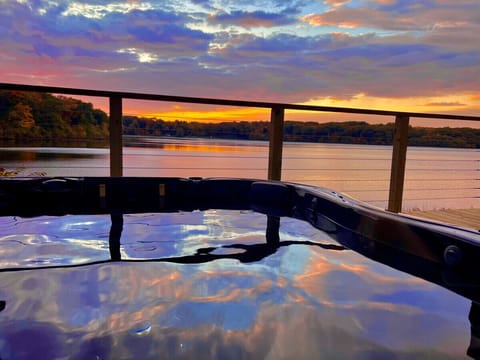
{"x": 246, "y": 22}
{"x": 364, "y": 17}
{"x": 413, "y": 18}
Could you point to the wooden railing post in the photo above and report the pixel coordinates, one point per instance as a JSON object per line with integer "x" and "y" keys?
{"x": 116, "y": 145}
{"x": 399, "y": 158}
{"x": 276, "y": 143}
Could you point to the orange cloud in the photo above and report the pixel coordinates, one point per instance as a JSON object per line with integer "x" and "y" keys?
{"x": 322, "y": 20}
{"x": 413, "y": 104}
{"x": 386, "y": 2}
{"x": 336, "y": 3}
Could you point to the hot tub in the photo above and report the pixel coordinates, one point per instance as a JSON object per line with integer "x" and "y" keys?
{"x": 173, "y": 268}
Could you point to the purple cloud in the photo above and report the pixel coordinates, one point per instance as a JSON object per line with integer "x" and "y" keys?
{"x": 252, "y": 19}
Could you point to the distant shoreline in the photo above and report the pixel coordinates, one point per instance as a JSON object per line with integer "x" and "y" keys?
{"x": 45, "y": 120}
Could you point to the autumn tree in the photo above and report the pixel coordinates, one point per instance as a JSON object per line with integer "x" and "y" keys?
{"x": 21, "y": 115}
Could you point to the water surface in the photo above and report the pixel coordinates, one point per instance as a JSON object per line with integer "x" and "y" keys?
{"x": 309, "y": 299}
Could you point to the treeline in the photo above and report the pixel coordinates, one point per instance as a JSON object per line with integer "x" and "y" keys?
{"x": 353, "y": 132}
{"x": 28, "y": 116}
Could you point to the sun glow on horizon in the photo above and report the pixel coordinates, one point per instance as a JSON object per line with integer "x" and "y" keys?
{"x": 211, "y": 115}
{"x": 467, "y": 103}
{"x": 427, "y": 104}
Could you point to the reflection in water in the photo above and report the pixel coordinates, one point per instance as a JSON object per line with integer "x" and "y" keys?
{"x": 141, "y": 329}
{"x": 247, "y": 253}
{"x": 292, "y": 299}
{"x": 474, "y": 317}
{"x": 202, "y": 147}
{"x": 114, "y": 236}
{"x": 194, "y": 144}
{"x": 46, "y": 154}
{"x": 38, "y": 162}
{"x": 70, "y": 143}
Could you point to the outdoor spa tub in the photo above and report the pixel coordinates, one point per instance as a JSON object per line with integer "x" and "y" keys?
{"x": 176, "y": 268}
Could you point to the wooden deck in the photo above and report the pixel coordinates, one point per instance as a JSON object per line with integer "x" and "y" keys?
{"x": 469, "y": 218}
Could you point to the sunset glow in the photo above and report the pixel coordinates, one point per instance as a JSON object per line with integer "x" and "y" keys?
{"x": 211, "y": 115}
{"x": 433, "y": 104}
{"x": 382, "y": 54}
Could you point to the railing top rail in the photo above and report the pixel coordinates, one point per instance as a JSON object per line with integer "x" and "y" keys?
{"x": 226, "y": 102}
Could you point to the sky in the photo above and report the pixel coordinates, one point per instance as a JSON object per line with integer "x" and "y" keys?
{"x": 405, "y": 55}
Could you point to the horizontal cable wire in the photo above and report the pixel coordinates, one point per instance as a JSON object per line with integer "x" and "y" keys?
{"x": 378, "y": 180}
{"x": 340, "y": 169}
{"x": 335, "y": 158}
{"x": 444, "y": 198}
{"x": 407, "y": 189}
{"x": 444, "y": 170}
{"x": 305, "y": 145}
{"x": 61, "y": 167}
{"x": 192, "y": 168}
{"x": 196, "y": 156}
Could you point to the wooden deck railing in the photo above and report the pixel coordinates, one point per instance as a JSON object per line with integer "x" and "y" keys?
{"x": 400, "y": 138}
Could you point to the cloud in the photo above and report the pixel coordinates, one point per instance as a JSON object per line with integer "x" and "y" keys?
{"x": 346, "y": 17}
{"x": 336, "y": 3}
{"x": 293, "y": 67}
{"x": 252, "y": 19}
{"x": 446, "y": 104}
{"x": 98, "y": 11}
{"x": 267, "y": 50}
{"x": 58, "y": 34}
{"x": 399, "y": 16}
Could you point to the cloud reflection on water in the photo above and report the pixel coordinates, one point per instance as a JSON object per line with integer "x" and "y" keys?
{"x": 299, "y": 302}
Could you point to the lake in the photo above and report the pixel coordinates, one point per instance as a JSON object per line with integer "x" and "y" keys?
{"x": 435, "y": 177}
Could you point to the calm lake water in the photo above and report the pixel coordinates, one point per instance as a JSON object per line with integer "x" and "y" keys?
{"x": 435, "y": 177}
